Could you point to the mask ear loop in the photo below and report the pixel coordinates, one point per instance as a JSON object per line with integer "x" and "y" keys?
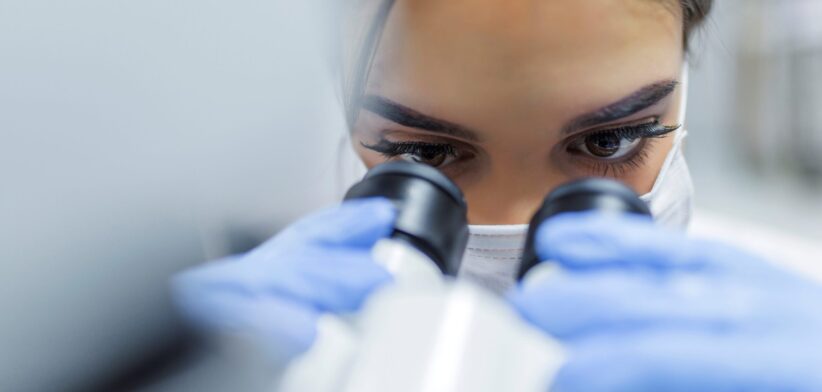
{"x": 683, "y": 98}
{"x": 682, "y": 132}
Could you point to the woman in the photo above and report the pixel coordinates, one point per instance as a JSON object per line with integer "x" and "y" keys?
{"x": 511, "y": 99}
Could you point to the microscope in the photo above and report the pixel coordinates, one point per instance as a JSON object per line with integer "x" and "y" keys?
{"x": 428, "y": 331}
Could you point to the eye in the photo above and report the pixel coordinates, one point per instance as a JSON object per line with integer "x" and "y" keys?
{"x": 617, "y": 143}
{"x": 432, "y": 154}
{"x": 435, "y": 160}
{"x": 608, "y": 145}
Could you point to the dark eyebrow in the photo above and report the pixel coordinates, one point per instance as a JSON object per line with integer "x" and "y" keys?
{"x": 638, "y": 101}
{"x": 408, "y": 117}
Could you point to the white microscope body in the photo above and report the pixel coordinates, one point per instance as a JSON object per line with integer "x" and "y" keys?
{"x": 426, "y": 331}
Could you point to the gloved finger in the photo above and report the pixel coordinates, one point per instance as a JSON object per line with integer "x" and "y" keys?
{"x": 283, "y": 328}
{"x": 587, "y": 240}
{"x": 572, "y": 305}
{"x": 687, "y": 361}
{"x": 354, "y": 223}
{"x": 333, "y": 281}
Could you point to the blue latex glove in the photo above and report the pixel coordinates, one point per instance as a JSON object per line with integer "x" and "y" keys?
{"x": 641, "y": 308}
{"x": 275, "y": 293}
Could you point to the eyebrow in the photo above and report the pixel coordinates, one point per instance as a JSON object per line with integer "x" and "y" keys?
{"x": 408, "y": 117}
{"x": 638, "y": 101}
{"x": 634, "y": 103}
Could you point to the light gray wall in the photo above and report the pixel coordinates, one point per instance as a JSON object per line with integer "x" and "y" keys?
{"x": 742, "y": 115}
{"x": 139, "y": 137}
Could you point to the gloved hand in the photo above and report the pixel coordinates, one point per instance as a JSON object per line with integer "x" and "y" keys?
{"x": 275, "y": 293}
{"x": 641, "y": 308}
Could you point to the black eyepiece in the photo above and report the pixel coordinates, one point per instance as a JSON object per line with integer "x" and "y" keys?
{"x": 432, "y": 212}
{"x": 583, "y": 195}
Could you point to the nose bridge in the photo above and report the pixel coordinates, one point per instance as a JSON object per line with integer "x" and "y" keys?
{"x": 511, "y": 192}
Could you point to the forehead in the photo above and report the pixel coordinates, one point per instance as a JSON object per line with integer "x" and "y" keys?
{"x": 524, "y": 55}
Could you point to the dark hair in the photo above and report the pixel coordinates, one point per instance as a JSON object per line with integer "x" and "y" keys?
{"x": 694, "y": 13}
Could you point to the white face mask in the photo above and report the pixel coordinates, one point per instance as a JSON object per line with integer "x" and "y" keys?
{"x": 493, "y": 255}
{"x": 671, "y": 198}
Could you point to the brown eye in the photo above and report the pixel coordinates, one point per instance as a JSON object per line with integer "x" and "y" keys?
{"x": 432, "y": 154}
{"x": 603, "y": 145}
{"x": 431, "y": 159}
{"x": 607, "y": 145}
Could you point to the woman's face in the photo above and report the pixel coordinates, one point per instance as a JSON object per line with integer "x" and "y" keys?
{"x": 511, "y": 98}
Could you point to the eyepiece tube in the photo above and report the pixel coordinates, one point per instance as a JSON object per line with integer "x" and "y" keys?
{"x": 591, "y": 194}
{"x": 432, "y": 212}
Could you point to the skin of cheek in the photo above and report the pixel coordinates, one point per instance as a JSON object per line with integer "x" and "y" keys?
{"x": 516, "y": 76}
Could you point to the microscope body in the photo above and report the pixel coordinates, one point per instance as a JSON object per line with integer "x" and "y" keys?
{"x": 426, "y": 332}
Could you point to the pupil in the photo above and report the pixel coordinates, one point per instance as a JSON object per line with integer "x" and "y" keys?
{"x": 428, "y": 158}
{"x": 603, "y": 145}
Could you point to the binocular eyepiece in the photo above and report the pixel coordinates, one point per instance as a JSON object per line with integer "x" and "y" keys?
{"x": 433, "y": 214}
{"x": 431, "y": 209}
{"x": 589, "y": 194}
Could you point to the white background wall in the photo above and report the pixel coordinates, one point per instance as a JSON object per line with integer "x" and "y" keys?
{"x": 138, "y": 137}
{"x": 742, "y": 115}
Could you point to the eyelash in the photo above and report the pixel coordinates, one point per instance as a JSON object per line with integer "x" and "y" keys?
{"x": 647, "y": 131}
{"x": 392, "y": 149}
